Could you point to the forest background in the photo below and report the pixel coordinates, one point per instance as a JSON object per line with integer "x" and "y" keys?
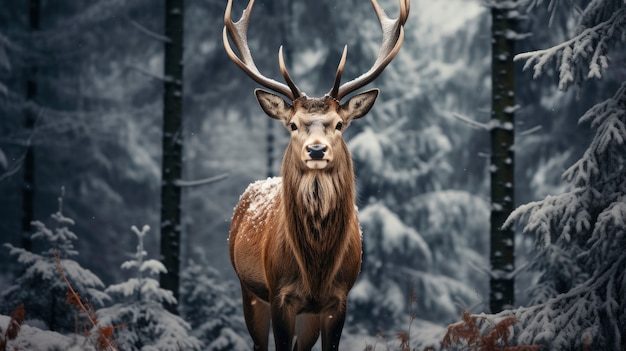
{"x": 422, "y": 170}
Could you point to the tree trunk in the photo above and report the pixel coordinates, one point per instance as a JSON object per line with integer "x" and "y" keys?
{"x": 28, "y": 188}
{"x": 172, "y": 148}
{"x": 502, "y": 255}
{"x": 270, "y": 147}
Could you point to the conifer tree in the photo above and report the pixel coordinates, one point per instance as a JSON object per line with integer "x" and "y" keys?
{"x": 40, "y": 288}
{"x": 580, "y": 234}
{"x": 139, "y": 308}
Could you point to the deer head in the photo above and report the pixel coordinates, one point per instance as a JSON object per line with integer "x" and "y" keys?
{"x": 315, "y": 124}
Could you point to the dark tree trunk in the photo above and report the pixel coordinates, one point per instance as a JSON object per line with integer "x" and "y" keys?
{"x": 172, "y": 147}
{"x": 281, "y": 11}
{"x": 270, "y": 148}
{"x": 28, "y": 189}
{"x": 502, "y": 255}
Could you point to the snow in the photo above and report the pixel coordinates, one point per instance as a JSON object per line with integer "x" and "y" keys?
{"x": 430, "y": 14}
{"x": 511, "y": 109}
{"x": 35, "y": 339}
{"x": 153, "y": 266}
{"x": 396, "y": 237}
{"x": 574, "y": 53}
{"x": 367, "y": 146}
{"x": 362, "y": 290}
{"x": 140, "y": 310}
{"x": 591, "y": 203}
{"x": 265, "y": 191}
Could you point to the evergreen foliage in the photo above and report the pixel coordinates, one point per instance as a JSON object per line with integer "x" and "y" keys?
{"x": 145, "y": 325}
{"x": 91, "y": 117}
{"x": 40, "y": 275}
{"x": 580, "y": 235}
{"x": 422, "y": 181}
{"x": 210, "y": 304}
{"x": 421, "y": 225}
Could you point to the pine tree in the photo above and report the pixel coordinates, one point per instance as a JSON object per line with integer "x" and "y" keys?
{"x": 145, "y": 323}
{"x": 580, "y": 235}
{"x": 40, "y": 287}
{"x": 95, "y": 129}
{"x": 422, "y": 213}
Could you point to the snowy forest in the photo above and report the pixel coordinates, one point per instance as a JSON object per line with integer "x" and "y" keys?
{"x": 491, "y": 179}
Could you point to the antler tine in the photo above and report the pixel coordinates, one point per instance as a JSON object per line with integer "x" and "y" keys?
{"x": 342, "y": 63}
{"x": 393, "y": 36}
{"x": 238, "y": 32}
{"x": 283, "y": 70}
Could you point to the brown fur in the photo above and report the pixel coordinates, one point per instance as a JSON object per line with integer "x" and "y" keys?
{"x": 295, "y": 241}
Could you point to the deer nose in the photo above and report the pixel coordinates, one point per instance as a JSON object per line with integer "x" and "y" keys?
{"x": 316, "y": 151}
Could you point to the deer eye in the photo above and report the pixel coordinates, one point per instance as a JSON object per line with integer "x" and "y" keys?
{"x": 293, "y": 126}
{"x": 339, "y": 125}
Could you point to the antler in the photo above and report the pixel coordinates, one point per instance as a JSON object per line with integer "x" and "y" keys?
{"x": 393, "y": 35}
{"x": 238, "y": 34}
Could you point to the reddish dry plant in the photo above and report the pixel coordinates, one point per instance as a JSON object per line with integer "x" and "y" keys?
{"x": 586, "y": 342}
{"x": 404, "y": 341}
{"x": 405, "y": 338}
{"x": 497, "y": 337}
{"x": 13, "y": 329}
{"x": 104, "y": 337}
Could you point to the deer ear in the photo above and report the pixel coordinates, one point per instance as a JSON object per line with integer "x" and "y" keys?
{"x": 358, "y": 105}
{"x": 273, "y": 105}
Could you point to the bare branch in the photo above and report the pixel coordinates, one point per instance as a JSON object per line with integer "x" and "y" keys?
{"x": 148, "y": 32}
{"x": 471, "y": 122}
{"x": 189, "y": 183}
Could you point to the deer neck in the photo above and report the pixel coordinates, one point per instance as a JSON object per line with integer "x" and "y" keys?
{"x": 319, "y": 207}
{"x": 322, "y": 199}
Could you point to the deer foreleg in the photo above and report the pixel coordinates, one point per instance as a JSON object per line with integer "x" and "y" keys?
{"x": 307, "y": 331}
{"x": 332, "y": 324}
{"x": 257, "y": 315}
{"x": 283, "y": 325}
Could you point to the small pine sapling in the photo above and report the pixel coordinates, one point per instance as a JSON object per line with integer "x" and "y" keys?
{"x": 40, "y": 274}
{"x": 139, "y": 306}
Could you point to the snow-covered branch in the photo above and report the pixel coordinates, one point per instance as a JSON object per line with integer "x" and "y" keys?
{"x": 576, "y": 319}
{"x": 587, "y": 49}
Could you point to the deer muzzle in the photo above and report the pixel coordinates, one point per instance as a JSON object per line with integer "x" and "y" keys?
{"x": 317, "y": 155}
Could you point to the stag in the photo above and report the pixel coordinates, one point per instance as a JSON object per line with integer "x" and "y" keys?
{"x": 295, "y": 241}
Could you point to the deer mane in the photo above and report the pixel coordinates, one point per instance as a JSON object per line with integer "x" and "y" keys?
{"x": 319, "y": 210}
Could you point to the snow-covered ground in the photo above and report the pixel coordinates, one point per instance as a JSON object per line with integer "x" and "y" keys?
{"x": 35, "y": 339}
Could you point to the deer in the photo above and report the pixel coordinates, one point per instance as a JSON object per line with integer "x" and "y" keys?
{"x": 295, "y": 240}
